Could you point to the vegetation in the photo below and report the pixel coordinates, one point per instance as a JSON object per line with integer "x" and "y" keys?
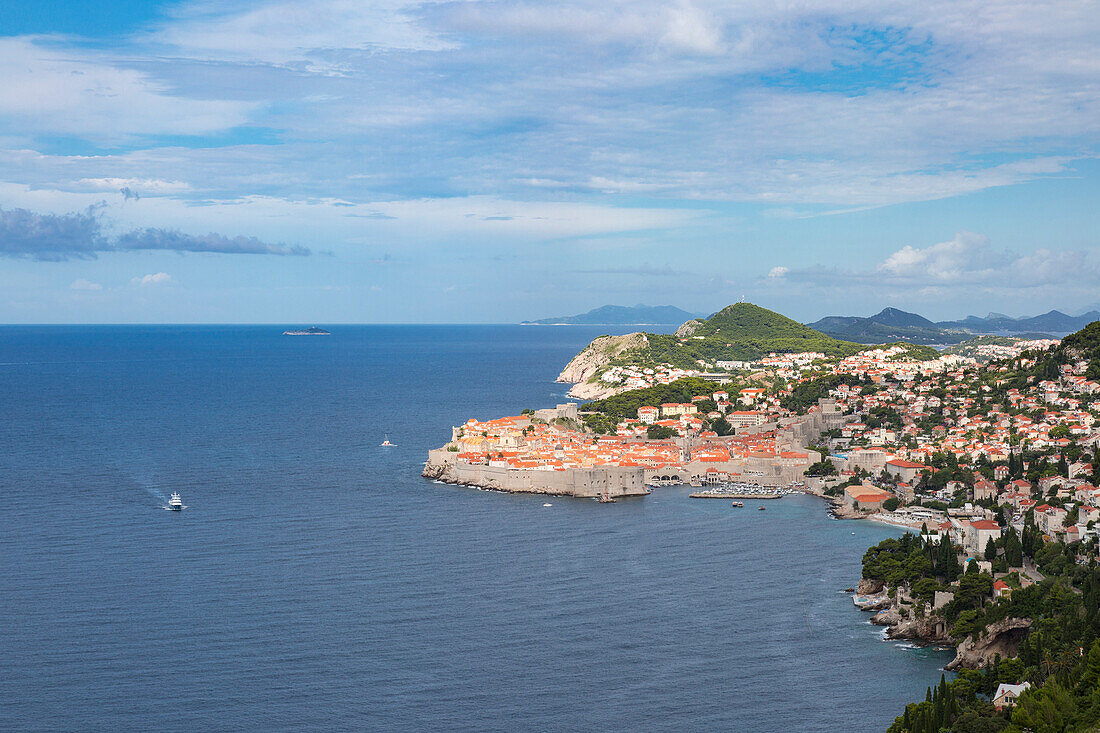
{"x": 1084, "y": 344}
{"x": 806, "y": 394}
{"x": 659, "y": 432}
{"x": 739, "y": 332}
{"x": 624, "y": 406}
{"x": 1059, "y": 657}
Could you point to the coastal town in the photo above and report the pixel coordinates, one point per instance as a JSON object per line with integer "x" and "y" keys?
{"x": 989, "y": 465}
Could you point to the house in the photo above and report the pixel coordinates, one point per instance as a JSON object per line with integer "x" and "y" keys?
{"x": 1050, "y": 519}
{"x": 1001, "y": 589}
{"x": 984, "y": 490}
{"x": 648, "y": 415}
{"x": 675, "y": 409}
{"x": 977, "y": 534}
{"x": 1006, "y": 695}
{"x": 865, "y": 498}
{"x": 745, "y": 418}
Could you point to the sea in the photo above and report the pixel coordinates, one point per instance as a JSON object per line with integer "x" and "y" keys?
{"x": 316, "y": 582}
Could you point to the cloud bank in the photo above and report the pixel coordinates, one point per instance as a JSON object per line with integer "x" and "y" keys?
{"x": 967, "y": 260}
{"x": 80, "y": 235}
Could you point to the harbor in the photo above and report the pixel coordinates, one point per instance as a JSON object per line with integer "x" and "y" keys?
{"x": 741, "y": 491}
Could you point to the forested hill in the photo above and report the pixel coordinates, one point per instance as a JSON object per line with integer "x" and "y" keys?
{"x": 742, "y": 331}
{"x": 1085, "y": 344}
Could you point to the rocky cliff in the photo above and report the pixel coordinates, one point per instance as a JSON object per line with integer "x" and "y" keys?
{"x": 1001, "y": 638}
{"x": 594, "y": 357}
{"x": 689, "y": 328}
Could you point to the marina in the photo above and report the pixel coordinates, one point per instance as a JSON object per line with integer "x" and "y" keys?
{"x": 742, "y": 491}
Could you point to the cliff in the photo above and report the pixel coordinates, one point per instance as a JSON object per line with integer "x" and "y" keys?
{"x": 999, "y": 639}
{"x": 594, "y": 357}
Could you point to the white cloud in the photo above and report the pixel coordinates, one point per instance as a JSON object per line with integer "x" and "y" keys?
{"x": 142, "y": 186}
{"x": 154, "y": 279}
{"x": 47, "y": 90}
{"x": 966, "y": 257}
{"x": 778, "y": 271}
{"x": 303, "y": 33}
{"x": 81, "y": 284}
{"x": 967, "y": 260}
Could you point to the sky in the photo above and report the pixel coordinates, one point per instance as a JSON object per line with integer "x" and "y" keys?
{"x": 351, "y": 161}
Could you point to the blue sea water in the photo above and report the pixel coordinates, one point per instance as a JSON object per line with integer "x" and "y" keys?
{"x": 317, "y": 582}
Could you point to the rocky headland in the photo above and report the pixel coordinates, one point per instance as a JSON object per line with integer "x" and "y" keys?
{"x": 898, "y": 614}
{"x": 598, "y": 354}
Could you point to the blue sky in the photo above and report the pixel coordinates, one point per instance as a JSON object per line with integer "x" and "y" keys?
{"x": 389, "y": 161}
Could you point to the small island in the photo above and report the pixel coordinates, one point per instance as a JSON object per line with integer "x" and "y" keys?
{"x": 311, "y": 331}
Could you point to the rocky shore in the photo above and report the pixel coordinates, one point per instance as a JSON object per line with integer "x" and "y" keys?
{"x": 897, "y": 612}
{"x": 591, "y": 359}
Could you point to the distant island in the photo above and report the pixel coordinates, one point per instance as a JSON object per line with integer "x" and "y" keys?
{"x": 620, "y": 315}
{"x": 892, "y": 324}
{"x": 311, "y": 331}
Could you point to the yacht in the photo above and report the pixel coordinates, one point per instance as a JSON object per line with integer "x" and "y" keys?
{"x": 386, "y": 443}
{"x": 175, "y": 503}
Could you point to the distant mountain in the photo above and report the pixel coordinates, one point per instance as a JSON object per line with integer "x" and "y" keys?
{"x": 621, "y": 315}
{"x": 892, "y": 324}
{"x": 895, "y": 317}
{"x": 887, "y": 326}
{"x": 1053, "y": 322}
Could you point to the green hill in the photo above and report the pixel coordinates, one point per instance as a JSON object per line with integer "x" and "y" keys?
{"x": 738, "y": 332}
{"x": 1085, "y": 344}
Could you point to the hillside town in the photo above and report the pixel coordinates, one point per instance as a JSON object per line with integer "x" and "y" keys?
{"x": 893, "y": 361}
{"x": 989, "y": 464}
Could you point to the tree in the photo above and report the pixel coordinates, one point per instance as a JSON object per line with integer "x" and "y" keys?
{"x": 925, "y": 589}
{"x": 1048, "y": 708}
{"x": 890, "y": 504}
{"x": 722, "y": 426}
{"x": 947, "y": 562}
{"x": 990, "y": 550}
{"x": 659, "y": 432}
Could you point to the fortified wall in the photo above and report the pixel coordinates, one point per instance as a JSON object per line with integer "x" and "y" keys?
{"x": 802, "y": 431}
{"x": 610, "y": 481}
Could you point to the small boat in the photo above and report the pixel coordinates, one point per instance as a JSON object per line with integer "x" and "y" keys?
{"x": 175, "y": 503}
{"x": 548, "y": 504}
{"x": 760, "y": 508}
{"x": 386, "y": 443}
{"x": 738, "y": 504}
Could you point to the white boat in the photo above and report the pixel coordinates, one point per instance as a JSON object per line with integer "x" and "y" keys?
{"x": 548, "y": 504}
{"x": 175, "y": 503}
{"x": 386, "y": 443}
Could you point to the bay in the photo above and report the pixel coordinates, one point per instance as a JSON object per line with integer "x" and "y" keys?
{"x": 317, "y": 582}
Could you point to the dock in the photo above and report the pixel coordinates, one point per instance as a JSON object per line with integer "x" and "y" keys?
{"x": 713, "y": 495}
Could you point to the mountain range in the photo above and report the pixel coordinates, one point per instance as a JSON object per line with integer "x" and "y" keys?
{"x": 621, "y": 315}
{"x": 887, "y": 326}
{"x": 892, "y": 324}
